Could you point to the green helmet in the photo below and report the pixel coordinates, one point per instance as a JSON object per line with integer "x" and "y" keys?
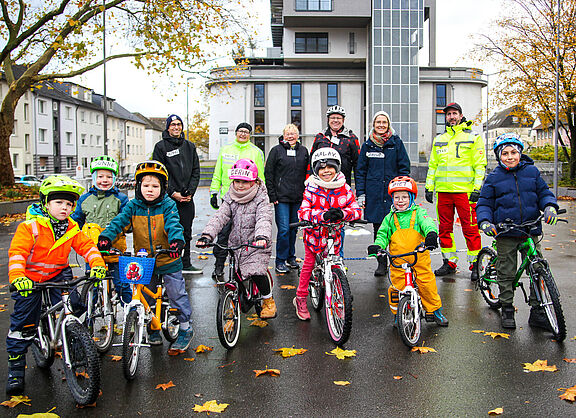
{"x": 60, "y": 184}
{"x": 104, "y": 163}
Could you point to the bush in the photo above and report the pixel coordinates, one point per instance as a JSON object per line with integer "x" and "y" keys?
{"x": 546, "y": 153}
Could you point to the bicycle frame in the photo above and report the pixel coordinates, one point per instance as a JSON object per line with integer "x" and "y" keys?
{"x": 411, "y": 289}
{"x": 140, "y": 303}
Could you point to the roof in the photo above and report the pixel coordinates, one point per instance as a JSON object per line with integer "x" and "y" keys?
{"x": 150, "y": 123}
{"x": 506, "y": 118}
{"x": 117, "y": 111}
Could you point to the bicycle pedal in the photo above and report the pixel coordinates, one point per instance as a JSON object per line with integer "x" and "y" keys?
{"x": 429, "y": 317}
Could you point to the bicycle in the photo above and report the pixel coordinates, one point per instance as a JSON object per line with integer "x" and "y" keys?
{"x": 329, "y": 286}
{"x": 536, "y": 267}
{"x": 58, "y": 326}
{"x": 138, "y": 272}
{"x": 237, "y": 294}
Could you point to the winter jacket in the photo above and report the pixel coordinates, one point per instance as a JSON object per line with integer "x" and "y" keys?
{"x": 34, "y": 254}
{"x": 518, "y": 194}
{"x": 152, "y": 226}
{"x": 181, "y": 160}
{"x": 249, "y": 220}
{"x": 228, "y": 155}
{"x": 457, "y": 161}
{"x": 423, "y": 224}
{"x": 376, "y": 167}
{"x": 318, "y": 200}
{"x": 286, "y": 171}
{"x": 347, "y": 146}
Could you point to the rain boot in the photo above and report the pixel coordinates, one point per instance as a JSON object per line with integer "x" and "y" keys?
{"x": 474, "y": 271}
{"x": 507, "y": 319}
{"x": 382, "y": 266}
{"x": 16, "y": 371}
{"x": 448, "y": 267}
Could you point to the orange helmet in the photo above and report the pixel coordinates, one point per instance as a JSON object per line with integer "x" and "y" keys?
{"x": 402, "y": 183}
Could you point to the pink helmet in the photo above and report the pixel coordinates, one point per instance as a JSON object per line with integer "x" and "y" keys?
{"x": 244, "y": 169}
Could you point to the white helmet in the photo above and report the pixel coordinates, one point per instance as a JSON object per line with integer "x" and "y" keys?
{"x": 323, "y": 157}
{"x": 336, "y": 109}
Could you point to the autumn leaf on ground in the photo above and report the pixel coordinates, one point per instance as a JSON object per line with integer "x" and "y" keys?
{"x": 203, "y": 257}
{"x": 252, "y": 317}
{"x": 258, "y": 323}
{"x": 341, "y": 382}
{"x": 290, "y": 352}
{"x": 189, "y": 359}
{"x": 115, "y": 358}
{"x": 570, "y": 360}
{"x": 271, "y": 372}
{"x": 15, "y": 400}
{"x": 478, "y": 331}
{"x": 495, "y": 335}
{"x": 423, "y": 350}
{"x": 117, "y": 330}
{"x": 497, "y": 411}
{"x": 342, "y": 354}
{"x": 211, "y": 406}
{"x": 165, "y": 386}
{"x": 48, "y": 414}
{"x": 287, "y": 287}
{"x": 90, "y": 405}
{"x": 397, "y": 377}
{"x": 569, "y": 394}
{"x": 203, "y": 348}
{"x": 376, "y": 315}
{"x": 539, "y": 366}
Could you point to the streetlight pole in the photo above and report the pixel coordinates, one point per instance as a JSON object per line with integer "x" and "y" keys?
{"x": 556, "y": 133}
{"x": 104, "y": 100}
{"x": 187, "y": 108}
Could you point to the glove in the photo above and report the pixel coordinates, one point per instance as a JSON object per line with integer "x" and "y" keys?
{"x": 488, "y": 228}
{"x": 361, "y": 200}
{"x": 550, "y": 215}
{"x": 429, "y": 196}
{"x": 98, "y": 272}
{"x": 203, "y": 241}
{"x": 214, "y": 200}
{"x": 260, "y": 238}
{"x": 176, "y": 248}
{"x": 104, "y": 244}
{"x": 474, "y": 196}
{"x": 373, "y": 249}
{"x": 431, "y": 240}
{"x": 333, "y": 215}
{"x": 23, "y": 285}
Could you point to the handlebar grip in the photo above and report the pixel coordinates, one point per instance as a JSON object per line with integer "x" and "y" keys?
{"x": 561, "y": 211}
{"x": 12, "y": 288}
{"x": 299, "y": 224}
{"x": 359, "y": 221}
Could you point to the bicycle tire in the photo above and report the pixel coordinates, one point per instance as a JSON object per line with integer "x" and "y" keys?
{"x": 409, "y": 322}
{"x": 550, "y": 297}
{"x": 487, "y": 277}
{"x": 228, "y": 318}
{"x": 170, "y": 323}
{"x": 100, "y": 325}
{"x": 131, "y": 340}
{"x": 316, "y": 289}
{"x": 339, "y": 310}
{"x": 83, "y": 377}
{"x": 44, "y": 357}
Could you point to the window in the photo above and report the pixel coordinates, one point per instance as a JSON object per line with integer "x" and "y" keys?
{"x": 332, "y": 94}
{"x": 440, "y": 122}
{"x": 27, "y": 142}
{"x": 259, "y": 122}
{"x": 42, "y": 135}
{"x": 15, "y": 128}
{"x": 68, "y": 112}
{"x": 91, "y": 139}
{"x": 440, "y": 95}
{"x": 85, "y": 162}
{"x": 352, "y": 43}
{"x": 83, "y": 116}
{"x": 97, "y": 139}
{"x": 26, "y": 112}
{"x": 314, "y": 5}
{"x": 309, "y": 43}
{"x": 296, "y": 94}
{"x": 296, "y": 118}
{"x": 42, "y": 107}
{"x": 28, "y": 168}
{"x": 259, "y": 95}
{"x": 69, "y": 163}
{"x": 68, "y": 137}
{"x": 128, "y": 148}
{"x": 43, "y": 163}
{"x": 97, "y": 119}
{"x": 83, "y": 139}
{"x": 15, "y": 161}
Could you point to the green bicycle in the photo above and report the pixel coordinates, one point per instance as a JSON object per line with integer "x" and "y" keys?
{"x": 542, "y": 282}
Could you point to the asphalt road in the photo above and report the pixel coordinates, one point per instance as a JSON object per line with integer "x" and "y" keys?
{"x": 469, "y": 375}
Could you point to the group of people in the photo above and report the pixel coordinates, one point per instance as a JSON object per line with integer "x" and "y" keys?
{"x": 298, "y": 185}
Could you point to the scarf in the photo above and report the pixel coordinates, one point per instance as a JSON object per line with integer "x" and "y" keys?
{"x": 380, "y": 140}
{"x": 59, "y": 227}
{"x": 338, "y": 181}
{"x": 244, "y": 196}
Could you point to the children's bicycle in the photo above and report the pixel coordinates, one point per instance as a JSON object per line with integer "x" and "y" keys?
{"x": 542, "y": 282}
{"x": 329, "y": 286}
{"x": 58, "y": 327}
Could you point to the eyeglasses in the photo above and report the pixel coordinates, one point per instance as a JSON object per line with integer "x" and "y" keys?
{"x": 243, "y": 131}
{"x": 335, "y": 118}
{"x": 175, "y": 124}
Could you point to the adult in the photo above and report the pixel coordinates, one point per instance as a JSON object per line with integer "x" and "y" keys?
{"x": 382, "y": 157}
{"x": 229, "y": 154}
{"x": 456, "y": 171}
{"x": 285, "y": 173}
{"x": 180, "y": 158}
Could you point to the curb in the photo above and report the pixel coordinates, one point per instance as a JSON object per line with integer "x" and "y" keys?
{"x": 18, "y": 206}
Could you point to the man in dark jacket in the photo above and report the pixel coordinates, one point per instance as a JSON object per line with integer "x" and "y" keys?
{"x": 181, "y": 160}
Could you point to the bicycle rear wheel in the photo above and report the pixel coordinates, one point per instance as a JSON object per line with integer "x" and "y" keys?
{"x": 316, "y": 289}
{"x": 551, "y": 302}
{"x": 83, "y": 374}
{"x": 339, "y": 308}
{"x": 131, "y": 340}
{"x": 409, "y": 322}
{"x": 41, "y": 349}
{"x": 99, "y": 316}
{"x": 487, "y": 278}
{"x": 228, "y": 318}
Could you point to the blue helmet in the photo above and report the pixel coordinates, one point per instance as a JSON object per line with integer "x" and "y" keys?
{"x": 505, "y": 139}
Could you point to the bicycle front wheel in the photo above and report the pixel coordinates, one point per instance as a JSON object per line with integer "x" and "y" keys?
{"x": 409, "y": 322}
{"x": 228, "y": 318}
{"x": 316, "y": 289}
{"x": 550, "y": 297}
{"x": 99, "y": 316}
{"x": 487, "y": 278}
{"x": 83, "y": 373}
{"x": 131, "y": 341}
{"x": 339, "y": 308}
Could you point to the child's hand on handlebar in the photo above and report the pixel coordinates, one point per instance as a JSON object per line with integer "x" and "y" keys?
{"x": 431, "y": 240}
{"x": 260, "y": 242}
{"x": 373, "y": 249}
{"x": 176, "y": 248}
{"x": 203, "y": 241}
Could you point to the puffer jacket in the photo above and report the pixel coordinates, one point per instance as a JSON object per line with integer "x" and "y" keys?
{"x": 347, "y": 146}
{"x": 249, "y": 220}
{"x": 518, "y": 194}
{"x": 285, "y": 172}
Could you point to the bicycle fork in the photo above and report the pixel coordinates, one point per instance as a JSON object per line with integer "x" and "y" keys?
{"x": 68, "y": 318}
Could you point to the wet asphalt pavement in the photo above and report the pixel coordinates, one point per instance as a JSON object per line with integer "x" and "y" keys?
{"x": 469, "y": 375}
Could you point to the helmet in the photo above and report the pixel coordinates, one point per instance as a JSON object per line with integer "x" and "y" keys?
{"x": 402, "y": 183}
{"x": 323, "y": 157}
{"x": 151, "y": 167}
{"x": 62, "y": 185}
{"x": 104, "y": 163}
{"x": 336, "y": 109}
{"x": 243, "y": 169}
{"x": 505, "y": 139}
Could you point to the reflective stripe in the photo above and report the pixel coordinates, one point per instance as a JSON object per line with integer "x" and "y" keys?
{"x": 455, "y": 168}
{"x": 17, "y": 257}
{"x": 15, "y": 266}
{"x": 394, "y": 308}
{"x": 92, "y": 257}
{"x": 17, "y": 335}
{"x": 472, "y": 257}
{"x": 48, "y": 266}
{"x": 454, "y": 179}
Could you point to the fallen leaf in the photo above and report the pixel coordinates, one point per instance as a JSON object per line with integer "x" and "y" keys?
{"x": 495, "y": 335}
{"x": 382, "y": 296}
{"x": 258, "y": 323}
{"x": 203, "y": 257}
{"x": 376, "y": 315}
{"x": 175, "y": 352}
{"x": 271, "y": 372}
{"x": 341, "y": 382}
{"x": 203, "y": 349}
{"x": 115, "y": 358}
{"x": 540, "y": 366}
{"x": 117, "y": 330}
{"x": 189, "y": 359}
{"x": 252, "y": 317}
{"x": 548, "y": 248}
{"x": 211, "y": 406}
{"x": 15, "y": 400}
{"x": 569, "y": 394}
{"x": 570, "y": 360}
{"x": 342, "y": 354}
{"x": 290, "y": 352}
{"x": 83, "y": 374}
{"x": 478, "y": 331}
{"x": 91, "y": 405}
{"x": 165, "y": 386}
{"x": 287, "y": 287}
{"x": 58, "y": 354}
{"x": 397, "y": 377}
{"x": 497, "y": 411}
{"x": 199, "y": 395}
{"x": 47, "y": 414}
{"x": 468, "y": 290}
{"x": 423, "y": 350}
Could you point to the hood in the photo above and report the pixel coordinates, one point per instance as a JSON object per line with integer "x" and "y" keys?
{"x": 524, "y": 161}
{"x": 463, "y": 126}
{"x": 175, "y": 141}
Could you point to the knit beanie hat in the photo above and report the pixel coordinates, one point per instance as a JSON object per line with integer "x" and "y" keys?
{"x": 245, "y": 126}
{"x": 171, "y": 119}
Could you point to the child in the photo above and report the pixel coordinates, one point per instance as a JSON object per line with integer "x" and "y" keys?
{"x": 246, "y": 204}
{"x": 99, "y": 206}
{"x": 38, "y": 253}
{"x": 154, "y": 219}
{"x": 514, "y": 190}
{"x": 402, "y": 230}
{"x": 327, "y": 198}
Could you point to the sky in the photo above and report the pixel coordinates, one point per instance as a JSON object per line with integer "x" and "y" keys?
{"x": 457, "y": 21}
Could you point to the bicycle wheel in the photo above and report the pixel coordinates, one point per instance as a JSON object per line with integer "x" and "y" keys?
{"x": 41, "y": 349}
{"x": 99, "y": 317}
{"x": 316, "y": 289}
{"x": 131, "y": 340}
{"x": 339, "y": 308}
{"x": 409, "y": 322}
{"x": 83, "y": 374}
{"x": 487, "y": 279}
{"x": 228, "y": 318}
{"x": 170, "y": 323}
{"x": 551, "y": 302}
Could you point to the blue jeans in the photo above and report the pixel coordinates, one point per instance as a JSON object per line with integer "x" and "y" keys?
{"x": 123, "y": 290}
{"x": 286, "y": 213}
{"x": 176, "y": 291}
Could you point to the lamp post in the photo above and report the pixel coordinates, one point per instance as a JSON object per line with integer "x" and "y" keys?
{"x": 556, "y": 132}
{"x": 104, "y": 101}
{"x": 187, "y": 107}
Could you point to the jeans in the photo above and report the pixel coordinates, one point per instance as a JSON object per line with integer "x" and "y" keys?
{"x": 176, "y": 291}
{"x": 218, "y": 252}
{"x": 286, "y": 213}
{"x": 186, "y": 211}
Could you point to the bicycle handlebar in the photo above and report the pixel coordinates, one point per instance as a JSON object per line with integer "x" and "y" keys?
{"x": 420, "y": 248}
{"x": 508, "y": 225}
{"x": 66, "y": 284}
{"x": 247, "y": 245}
{"x": 307, "y": 224}
{"x": 116, "y": 251}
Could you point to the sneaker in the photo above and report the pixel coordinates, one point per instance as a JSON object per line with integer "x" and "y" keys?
{"x": 447, "y": 268}
{"x": 538, "y": 318}
{"x": 218, "y": 273}
{"x": 439, "y": 318}
{"x": 268, "y": 309}
{"x": 301, "y": 308}
{"x": 154, "y": 337}
{"x": 190, "y": 269}
{"x": 16, "y": 372}
{"x": 507, "y": 319}
{"x": 292, "y": 263}
{"x": 183, "y": 341}
{"x": 474, "y": 271}
{"x": 281, "y": 267}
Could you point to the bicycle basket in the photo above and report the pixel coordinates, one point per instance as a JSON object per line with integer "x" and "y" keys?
{"x": 136, "y": 270}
